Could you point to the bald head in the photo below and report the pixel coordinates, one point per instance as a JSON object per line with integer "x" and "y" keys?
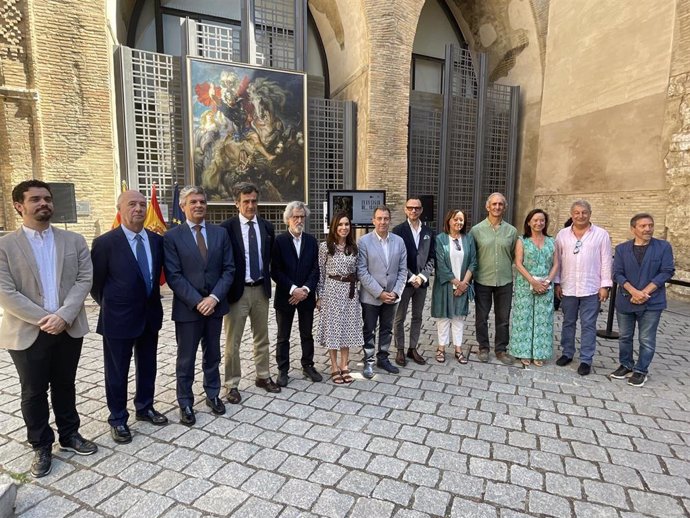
{"x": 132, "y": 208}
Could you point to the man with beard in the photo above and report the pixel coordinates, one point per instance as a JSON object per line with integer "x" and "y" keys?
{"x": 45, "y": 275}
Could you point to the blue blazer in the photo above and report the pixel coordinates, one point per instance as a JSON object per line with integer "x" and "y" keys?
{"x": 372, "y": 272}
{"x": 119, "y": 287}
{"x": 190, "y": 278}
{"x": 288, "y": 269}
{"x": 657, "y": 267}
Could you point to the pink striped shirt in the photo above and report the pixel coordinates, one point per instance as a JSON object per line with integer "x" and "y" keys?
{"x": 583, "y": 273}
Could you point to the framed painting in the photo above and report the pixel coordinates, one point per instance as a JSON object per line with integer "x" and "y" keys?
{"x": 247, "y": 124}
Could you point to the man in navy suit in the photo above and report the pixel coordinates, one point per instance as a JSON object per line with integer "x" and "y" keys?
{"x": 420, "y": 246}
{"x": 127, "y": 264}
{"x": 199, "y": 269}
{"x": 641, "y": 268}
{"x": 295, "y": 270}
{"x": 252, "y": 241}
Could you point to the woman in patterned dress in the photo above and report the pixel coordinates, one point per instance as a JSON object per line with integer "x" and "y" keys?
{"x": 340, "y": 325}
{"x": 531, "y": 334}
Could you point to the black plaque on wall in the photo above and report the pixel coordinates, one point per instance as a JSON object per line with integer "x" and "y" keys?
{"x": 64, "y": 203}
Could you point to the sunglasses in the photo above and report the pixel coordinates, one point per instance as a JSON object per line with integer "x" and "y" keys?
{"x": 413, "y": 208}
{"x": 578, "y": 245}
{"x": 458, "y": 246}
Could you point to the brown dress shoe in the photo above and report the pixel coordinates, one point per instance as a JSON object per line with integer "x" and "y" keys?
{"x": 234, "y": 396}
{"x": 416, "y": 357}
{"x": 400, "y": 358}
{"x": 268, "y": 385}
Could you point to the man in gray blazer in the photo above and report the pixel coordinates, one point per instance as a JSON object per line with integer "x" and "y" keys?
{"x": 382, "y": 271}
{"x": 45, "y": 275}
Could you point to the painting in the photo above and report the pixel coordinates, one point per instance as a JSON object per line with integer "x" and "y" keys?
{"x": 247, "y": 124}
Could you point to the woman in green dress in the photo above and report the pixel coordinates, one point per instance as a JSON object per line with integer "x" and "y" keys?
{"x": 531, "y": 334}
{"x": 456, "y": 261}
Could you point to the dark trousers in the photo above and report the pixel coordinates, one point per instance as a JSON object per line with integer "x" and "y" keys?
{"x": 188, "y": 335}
{"x": 383, "y": 315}
{"x": 117, "y": 356}
{"x": 50, "y": 363}
{"x": 284, "y": 319}
{"x": 502, "y": 297}
{"x": 418, "y": 297}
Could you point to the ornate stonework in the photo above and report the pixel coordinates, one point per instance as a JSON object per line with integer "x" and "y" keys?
{"x": 11, "y": 33}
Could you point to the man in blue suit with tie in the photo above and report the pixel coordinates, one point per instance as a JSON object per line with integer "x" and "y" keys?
{"x": 641, "y": 268}
{"x": 199, "y": 269}
{"x": 127, "y": 264}
{"x": 295, "y": 269}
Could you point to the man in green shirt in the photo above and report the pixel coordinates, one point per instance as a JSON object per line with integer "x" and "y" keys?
{"x": 495, "y": 240}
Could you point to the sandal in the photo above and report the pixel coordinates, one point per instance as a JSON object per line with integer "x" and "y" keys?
{"x": 346, "y": 376}
{"x": 441, "y": 355}
{"x": 525, "y": 362}
{"x": 460, "y": 357}
{"x": 538, "y": 363}
{"x": 337, "y": 378}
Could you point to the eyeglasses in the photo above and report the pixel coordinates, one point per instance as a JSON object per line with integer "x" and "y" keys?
{"x": 458, "y": 247}
{"x": 413, "y": 208}
{"x": 578, "y": 245}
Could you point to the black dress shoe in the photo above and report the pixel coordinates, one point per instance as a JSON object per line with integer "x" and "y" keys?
{"x": 311, "y": 373}
{"x": 216, "y": 405}
{"x": 42, "y": 463}
{"x": 234, "y": 396}
{"x": 282, "y": 379}
{"x": 77, "y": 444}
{"x": 153, "y": 417}
{"x": 584, "y": 369}
{"x": 400, "y": 358}
{"x": 121, "y": 434}
{"x": 268, "y": 385}
{"x": 187, "y": 416}
{"x": 387, "y": 366}
{"x": 563, "y": 361}
{"x": 414, "y": 355}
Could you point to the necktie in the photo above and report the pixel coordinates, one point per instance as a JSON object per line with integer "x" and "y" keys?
{"x": 201, "y": 243}
{"x": 253, "y": 253}
{"x": 143, "y": 263}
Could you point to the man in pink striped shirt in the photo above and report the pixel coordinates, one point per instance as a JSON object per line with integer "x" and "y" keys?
{"x": 583, "y": 283}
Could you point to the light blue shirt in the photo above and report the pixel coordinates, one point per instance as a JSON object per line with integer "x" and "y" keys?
{"x": 245, "y": 239}
{"x": 43, "y": 247}
{"x": 131, "y": 239}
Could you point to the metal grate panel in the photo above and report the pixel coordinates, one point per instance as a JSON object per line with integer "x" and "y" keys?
{"x": 425, "y": 155}
{"x": 219, "y": 42}
{"x": 275, "y": 33}
{"x": 496, "y": 143}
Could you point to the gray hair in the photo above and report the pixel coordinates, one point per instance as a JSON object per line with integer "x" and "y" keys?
{"x": 581, "y": 203}
{"x": 488, "y": 200}
{"x": 293, "y": 205}
{"x": 190, "y": 189}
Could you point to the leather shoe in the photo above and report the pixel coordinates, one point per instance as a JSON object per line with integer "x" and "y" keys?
{"x": 368, "y": 371}
{"x": 584, "y": 369}
{"x": 311, "y": 373}
{"x": 563, "y": 361}
{"x": 387, "y": 366}
{"x": 282, "y": 379}
{"x": 234, "y": 396}
{"x": 121, "y": 434}
{"x": 153, "y": 416}
{"x": 187, "y": 416}
{"x": 483, "y": 356}
{"x": 414, "y": 355}
{"x": 400, "y": 358}
{"x": 42, "y": 463}
{"x": 216, "y": 405}
{"x": 504, "y": 357}
{"x": 77, "y": 444}
{"x": 267, "y": 384}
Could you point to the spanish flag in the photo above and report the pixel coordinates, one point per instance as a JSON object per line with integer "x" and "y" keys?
{"x": 117, "y": 222}
{"x": 154, "y": 218}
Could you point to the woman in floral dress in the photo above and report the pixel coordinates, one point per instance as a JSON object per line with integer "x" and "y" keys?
{"x": 340, "y": 325}
{"x": 531, "y": 334}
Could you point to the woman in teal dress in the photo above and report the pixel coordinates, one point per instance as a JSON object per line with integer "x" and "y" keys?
{"x": 456, "y": 261}
{"x": 531, "y": 334}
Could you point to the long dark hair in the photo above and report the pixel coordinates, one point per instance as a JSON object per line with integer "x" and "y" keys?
{"x": 530, "y": 215}
{"x": 332, "y": 238}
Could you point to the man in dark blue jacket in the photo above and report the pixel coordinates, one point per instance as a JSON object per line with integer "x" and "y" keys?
{"x": 127, "y": 263}
{"x": 641, "y": 268}
{"x": 295, "y": 269}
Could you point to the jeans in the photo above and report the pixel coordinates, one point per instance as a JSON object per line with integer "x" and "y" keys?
{"x": 502, "y": 298}
{"x": 588, "y": 310}
{"x": 383, "y": 315}
{"x": 647, "y": 323}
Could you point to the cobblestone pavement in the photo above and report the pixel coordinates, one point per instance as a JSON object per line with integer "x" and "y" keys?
{"x": 479, "y": 440}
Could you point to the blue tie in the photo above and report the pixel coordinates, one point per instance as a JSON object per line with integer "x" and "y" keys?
{"x": 143, "y": 263}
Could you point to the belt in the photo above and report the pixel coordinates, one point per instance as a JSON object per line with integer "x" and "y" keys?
{"x": 255, "y": 283}
{"x": 351, "y": 278}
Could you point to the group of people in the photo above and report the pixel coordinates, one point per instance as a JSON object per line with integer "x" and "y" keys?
{"x": 222, "y": 275}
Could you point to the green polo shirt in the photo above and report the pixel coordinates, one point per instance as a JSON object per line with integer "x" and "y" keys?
{"x": 495, "y": 253}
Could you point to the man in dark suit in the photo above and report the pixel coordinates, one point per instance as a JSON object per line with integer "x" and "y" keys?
{"x": 252, "y": 241}
{"x": 199, "y": 269}
{"x": 295, "y": 269}
{"x": 420, "y": 245}
{"x": 45, "y": 275}
{"x": 127, "y": 264}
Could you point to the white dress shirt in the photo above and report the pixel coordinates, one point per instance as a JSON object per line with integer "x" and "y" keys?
{"x": 43, "y": 246}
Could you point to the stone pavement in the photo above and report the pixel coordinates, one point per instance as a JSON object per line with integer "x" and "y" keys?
{"x": 479, "y": 440}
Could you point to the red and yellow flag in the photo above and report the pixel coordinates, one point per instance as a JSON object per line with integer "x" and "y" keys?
{"x": 117, "y": 222}
{"x": 154, "y": 217}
